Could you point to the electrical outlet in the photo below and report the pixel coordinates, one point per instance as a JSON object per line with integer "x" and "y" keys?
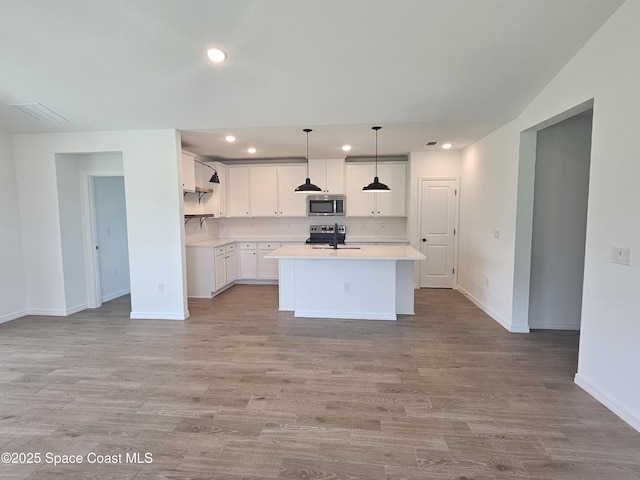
{"x": 161, "y": 288}
{"x": 621, "y": 256}
{"x": 496, "y": 234}
{"x": 347, "y": 287}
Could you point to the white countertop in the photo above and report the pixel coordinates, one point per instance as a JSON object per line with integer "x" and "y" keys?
{"x": 370, "y": 252}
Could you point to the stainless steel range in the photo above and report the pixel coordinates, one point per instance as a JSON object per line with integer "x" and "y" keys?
{"x": 327, "y": 234}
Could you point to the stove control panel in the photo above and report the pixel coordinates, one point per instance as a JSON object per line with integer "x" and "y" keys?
{"x": 327, "y": 229}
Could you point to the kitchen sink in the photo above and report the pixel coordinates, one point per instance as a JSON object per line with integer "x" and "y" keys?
{"x": 332, "y": 248}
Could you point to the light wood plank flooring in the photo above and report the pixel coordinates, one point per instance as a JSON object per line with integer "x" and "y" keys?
{"x": 242, "y": 391}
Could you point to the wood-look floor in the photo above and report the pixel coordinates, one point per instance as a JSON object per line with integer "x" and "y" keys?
{"x": 242, "y": 391}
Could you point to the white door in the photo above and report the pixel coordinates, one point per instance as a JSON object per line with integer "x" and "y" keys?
{"x": 438, "y": 204}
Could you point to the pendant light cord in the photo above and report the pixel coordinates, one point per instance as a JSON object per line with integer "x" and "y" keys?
{"x": 376, "y": 130}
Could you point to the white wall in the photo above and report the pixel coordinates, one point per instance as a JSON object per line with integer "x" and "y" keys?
{"x": 13, "y": 300}
{"x": 435, "y": 164}
{"x": 607, "y": 70}
{"x": 71, "y": 232}
{"x": 154, "y": 218}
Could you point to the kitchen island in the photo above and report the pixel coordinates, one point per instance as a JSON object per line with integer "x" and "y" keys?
{"x": 368, "y": 282}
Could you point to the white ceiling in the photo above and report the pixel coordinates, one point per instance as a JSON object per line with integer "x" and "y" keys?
{"x": 445, "y": 70}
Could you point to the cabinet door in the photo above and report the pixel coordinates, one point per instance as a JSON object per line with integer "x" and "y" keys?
{"x": 248, "y": 264}
{"x": 238, "y": 191}
{"x": 317, "y": 173}
{"x": 263, "y": 193}
{"x": 393, "y": 203}
{"x": 188, "y": 172}
{"x": 290, "y": 203}
{"x": 218, "y": 202}
{"x": 231, "y": 267}
{"x": 334, "y": 175}
{"x": 220, "y": 271}
{"x": 359, "y": 203}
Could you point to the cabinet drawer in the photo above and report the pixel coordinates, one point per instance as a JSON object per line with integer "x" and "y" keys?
{"x": 219, "y": 250}
{"x": 268, "y": 245}
{"x": 248, "y": 246}
{"x": 230, "y": 248}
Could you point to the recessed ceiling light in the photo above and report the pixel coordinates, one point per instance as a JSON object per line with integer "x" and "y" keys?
{"x": 216, "y": 55}
{"x": 251, "y": 150}
{"x": 346, "y": 148}
{"x": 446, "y": 146}
{"x": 230, "y": 138}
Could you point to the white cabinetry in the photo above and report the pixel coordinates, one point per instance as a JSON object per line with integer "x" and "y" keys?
{"x": 188, "y": 172}
{"x": 265, "y": 191}
{"x": 328, "y": 174}
{"x": 219, "y": 190}
{"x": 267, "y": 268}
{"x": 210, "y": 270}
{"x": 367, "y": 204}
{"x": 238, "y": 191}
{"x": 253, "y": 264}
{"x": 290, "y": 203}
{"x": 248, "y": 269}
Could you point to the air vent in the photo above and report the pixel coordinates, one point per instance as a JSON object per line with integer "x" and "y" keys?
{"x": 39, "y": 112}
{"x": 431, "y": 144}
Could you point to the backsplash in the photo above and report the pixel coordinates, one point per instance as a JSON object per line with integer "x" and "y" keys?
{"x": 362, "y": 228}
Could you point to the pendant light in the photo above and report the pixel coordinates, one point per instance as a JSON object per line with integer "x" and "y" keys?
{"x": 214, "y": 178}
{"x": 307, "y": 186}
{"x": 376, "y": 186}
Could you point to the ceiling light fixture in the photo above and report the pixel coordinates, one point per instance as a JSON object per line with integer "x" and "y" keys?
{"x": 307, "y": 186}
{"x": 446, "y": 146}
{"x": 230, "y": 138}
{"x": 376, "y": 186}
{"x": 346, "y": 148}
{"x": 214, "y": 178}
{"x": 251, "y": 150}
{"x": 216, "y": 55}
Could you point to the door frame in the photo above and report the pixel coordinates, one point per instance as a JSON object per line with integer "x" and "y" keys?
{"x": 92, "y": 262}
{"x": 456, "y": 225}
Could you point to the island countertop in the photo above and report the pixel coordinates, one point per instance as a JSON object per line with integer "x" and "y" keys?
{"x": 368, "y": 252}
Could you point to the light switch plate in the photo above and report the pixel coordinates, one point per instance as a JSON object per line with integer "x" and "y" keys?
{"x": 621, "y": 256}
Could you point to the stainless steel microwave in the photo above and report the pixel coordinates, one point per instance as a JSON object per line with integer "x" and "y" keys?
{"x": 326, "y": 205}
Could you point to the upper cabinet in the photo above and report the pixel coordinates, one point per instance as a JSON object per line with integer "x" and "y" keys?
{"x": 219, "y": 202}
{"x": 238, "y": 191}
{"x": 188, "y": 172}
{"x": 265, "y": 191}
{"x": 328, "y": 174}
{"x": 367, "y": 204}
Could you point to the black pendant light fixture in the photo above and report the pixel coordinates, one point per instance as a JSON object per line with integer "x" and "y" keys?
{"x": 214, "y": 178}
{"x": 307, "y": 186}
{"x": 376, "y": 186}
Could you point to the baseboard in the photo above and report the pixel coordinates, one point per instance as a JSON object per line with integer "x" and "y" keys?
{"x": 343, "y": 315}
{"x": 248, "y": 281}
{"x": 13, "y": 316}
{"x": 113, "y": 296}
{"x": 158, "y": 316}
{"x": 46, "y": 312}
{"x": 620, "y": 410}
{"x": 556, "y": 326}
{"x": 505, "y": 324}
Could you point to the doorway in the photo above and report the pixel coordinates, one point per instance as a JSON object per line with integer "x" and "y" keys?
{"x": 561, "y": 192}
{"x": 438, "y": 210}
{"x": 110, "y": 245}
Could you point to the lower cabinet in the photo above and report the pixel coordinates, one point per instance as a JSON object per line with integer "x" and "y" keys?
{"x": 254, "y": 265}
{"x": 210, "y": 270}
{"x": 248, "y": 269}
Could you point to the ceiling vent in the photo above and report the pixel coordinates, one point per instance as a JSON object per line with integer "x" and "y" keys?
{"x": 39, "y": 112}
{"x": 431, "y": 144}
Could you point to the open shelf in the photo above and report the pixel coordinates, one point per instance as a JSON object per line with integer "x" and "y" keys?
{"x": 201, "y": 216}
{"x": 201, "y": 191}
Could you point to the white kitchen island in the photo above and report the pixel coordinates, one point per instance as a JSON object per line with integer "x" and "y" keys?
{"x": 369, "y": 282}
